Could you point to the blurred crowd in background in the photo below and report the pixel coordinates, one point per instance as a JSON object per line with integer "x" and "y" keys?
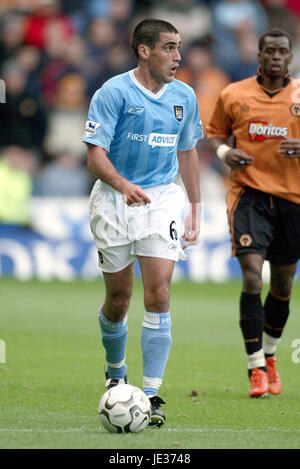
{"x": 54, "y": 54}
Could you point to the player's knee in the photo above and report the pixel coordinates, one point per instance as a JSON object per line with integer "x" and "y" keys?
{"x": 117, "y": 304}
{"x": 282, "y": 288}
{"x": 157, "y": 298}
{"x": 252, "y": 282}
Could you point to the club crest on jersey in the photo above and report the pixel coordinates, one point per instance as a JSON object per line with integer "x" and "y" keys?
{"x": 260, "y": 130}
{"x": 295, "y": 109}
{"x": 91, "y": 128}
{"x": 178, "y": 112}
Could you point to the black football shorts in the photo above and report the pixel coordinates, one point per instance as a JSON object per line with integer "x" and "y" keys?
{"x": 265, "y": 224}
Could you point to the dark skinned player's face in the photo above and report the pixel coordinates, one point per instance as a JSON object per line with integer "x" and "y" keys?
{"x": 275, "y": 57}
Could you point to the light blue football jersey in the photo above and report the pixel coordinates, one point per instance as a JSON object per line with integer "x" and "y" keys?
{"x": 142, "y": 131}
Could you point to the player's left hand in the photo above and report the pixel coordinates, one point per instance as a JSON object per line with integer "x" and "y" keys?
{"x": 290, "y": 148}
{"x": 192, "y": 226}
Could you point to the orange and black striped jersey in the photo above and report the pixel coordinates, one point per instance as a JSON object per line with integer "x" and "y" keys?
{"x": 259, "y": 119}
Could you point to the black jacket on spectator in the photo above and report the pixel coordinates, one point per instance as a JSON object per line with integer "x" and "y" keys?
{"x": 23, "y": 121}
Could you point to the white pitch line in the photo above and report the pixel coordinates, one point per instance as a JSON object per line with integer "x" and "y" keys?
{"x": 168, "y": 430}
{"x": 51, "y": 430}
{"x": 230, "y": 430}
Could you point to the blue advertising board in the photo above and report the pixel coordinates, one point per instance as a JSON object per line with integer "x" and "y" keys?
{"x": 59, "y": 245}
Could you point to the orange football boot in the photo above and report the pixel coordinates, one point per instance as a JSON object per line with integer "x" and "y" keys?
{"x": 274, "y": 380}
{"x": 258, "y": 383}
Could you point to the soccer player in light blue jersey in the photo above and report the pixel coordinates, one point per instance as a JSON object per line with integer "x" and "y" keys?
{"x": 142, "y": 126}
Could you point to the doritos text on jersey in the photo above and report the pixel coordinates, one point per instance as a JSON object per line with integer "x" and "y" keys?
{"x": 260, "y": 130}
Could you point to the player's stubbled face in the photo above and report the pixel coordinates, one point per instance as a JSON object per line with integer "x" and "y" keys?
{"x": 275, "y": 56}
{"x": 164, "y": 58}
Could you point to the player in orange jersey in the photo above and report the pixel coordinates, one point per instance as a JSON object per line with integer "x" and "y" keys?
{"x": 263, "y": 113}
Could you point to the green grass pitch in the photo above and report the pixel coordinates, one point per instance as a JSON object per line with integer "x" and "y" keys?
{"x": 53, "y": 378}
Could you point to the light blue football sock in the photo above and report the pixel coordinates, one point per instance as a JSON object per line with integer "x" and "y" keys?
{"x": 114, "y": 337}
{"x": 156, "y": 344}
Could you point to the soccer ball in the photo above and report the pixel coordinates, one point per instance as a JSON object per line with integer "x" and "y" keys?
{"x": 124, "y": 408}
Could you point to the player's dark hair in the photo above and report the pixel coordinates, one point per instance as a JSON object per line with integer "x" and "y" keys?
{"x": 275, "y": 32}
{"x": 148, "y": 31}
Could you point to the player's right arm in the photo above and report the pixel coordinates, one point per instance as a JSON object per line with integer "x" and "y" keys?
{"x": 235, "y": 158}
{"x": 101, "y": 166}
{"x": 218, "y": 132}
{"x": 104, "y": 113}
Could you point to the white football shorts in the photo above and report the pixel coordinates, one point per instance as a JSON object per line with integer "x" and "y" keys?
{"x": 122, "y": 232}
